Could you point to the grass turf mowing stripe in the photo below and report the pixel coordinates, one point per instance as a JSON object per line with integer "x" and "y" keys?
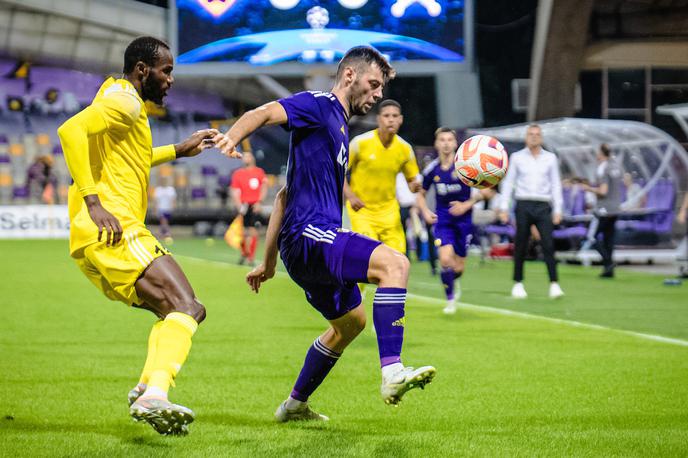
{"x": 577, "y": 324}
{"x": 499, "y": 311}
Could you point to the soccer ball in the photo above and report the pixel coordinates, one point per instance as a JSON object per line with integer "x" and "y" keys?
{"x": 481, "y": 162}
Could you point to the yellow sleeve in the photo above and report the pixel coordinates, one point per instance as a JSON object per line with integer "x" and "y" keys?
{"x": 410, "y": 167}
{"x": 163, "y": 154}
{"x": 74, "y": 135}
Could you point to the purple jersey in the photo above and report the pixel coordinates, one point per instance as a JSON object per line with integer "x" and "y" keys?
{"x": 318, "y": 158}
{"x": 448, "y": 188}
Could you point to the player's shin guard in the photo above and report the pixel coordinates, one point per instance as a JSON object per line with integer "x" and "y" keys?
{"x": 388, "y": 317}
{"x": 447, "y": 277}
{"x": 174, "y": 343}
{"x": 150, "y": 358}
{"x": 319, "y": 361}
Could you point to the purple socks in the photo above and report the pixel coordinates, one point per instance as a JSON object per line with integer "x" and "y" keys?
{"x": 319, "y": 361}
{"x": 388, "y": 317}
{"x": 447, "y": 277}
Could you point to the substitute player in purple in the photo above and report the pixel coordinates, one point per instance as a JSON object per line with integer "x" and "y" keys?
{"x": 323, "y": 259}
{"x": 453, "y": 222}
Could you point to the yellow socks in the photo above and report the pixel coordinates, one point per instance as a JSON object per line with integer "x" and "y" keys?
{"x": 173, "y": 345}
{"x": 150, "y": 358}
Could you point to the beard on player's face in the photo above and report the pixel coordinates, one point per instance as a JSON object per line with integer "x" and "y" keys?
{"x": 152, "y": 90}
{"x": 361, "y": 104}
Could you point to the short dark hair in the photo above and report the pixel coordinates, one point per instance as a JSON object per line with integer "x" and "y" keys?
{"x": 142, "y": 49}
{"x": 358, "y": 55}
{"x": 388, "y": 103}
{"x": 445, "y": 130}
{"x": 605, "y": 149}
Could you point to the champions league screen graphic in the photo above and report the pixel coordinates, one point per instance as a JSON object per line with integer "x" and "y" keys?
{"x": 266, "y": 32}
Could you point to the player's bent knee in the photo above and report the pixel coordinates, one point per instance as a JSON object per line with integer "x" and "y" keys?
{"x": 399, "y": 267}
{"x": 199, "y": 312}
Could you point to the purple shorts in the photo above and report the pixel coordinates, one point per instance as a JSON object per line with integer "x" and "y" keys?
{"x": 328, "y": 262}
{"x": 458, "y": 235}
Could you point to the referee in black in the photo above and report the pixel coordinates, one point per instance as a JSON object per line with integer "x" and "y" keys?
{"x": 534, "y": 183}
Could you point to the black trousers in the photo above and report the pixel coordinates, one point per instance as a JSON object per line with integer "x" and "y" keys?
{"x": 607, "y": 229}
{"x": 529, "y": 212}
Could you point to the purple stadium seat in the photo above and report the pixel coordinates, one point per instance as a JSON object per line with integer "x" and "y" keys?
{"x": 4, "y": 159}
{"x": 20, "y": 192}
{"x": 574, "y": 232}
{"x": 223, "y": 181}
{"x": 208, "y": 170}
{"x": 574, "y": 205}
{"x": 660, "y": 200}
{"x": 501, "y": 229}
{"x": 198, "y": 193}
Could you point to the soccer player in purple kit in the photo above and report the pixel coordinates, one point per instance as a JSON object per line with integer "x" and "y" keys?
{"x": 453, "y": 221}
{"x": 321, "y": 257}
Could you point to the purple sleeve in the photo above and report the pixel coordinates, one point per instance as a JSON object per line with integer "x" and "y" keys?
{"x": 427, "y": 179}
{"x": 302, "y": 111}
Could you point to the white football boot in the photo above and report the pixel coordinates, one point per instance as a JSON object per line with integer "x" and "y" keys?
{"x": 135, "y": 393}
{"x": 518, "y": 291}
{"x": 555, "y": 291}
{"x": 165, "y": 418}
{"x": 396, "y": 384}
{"x": 450, "y": 309}
{"x": 302, "y": 413}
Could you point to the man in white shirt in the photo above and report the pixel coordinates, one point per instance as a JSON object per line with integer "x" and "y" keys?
{"x": 165, "y": 197}
{"x": 533, "y": 179}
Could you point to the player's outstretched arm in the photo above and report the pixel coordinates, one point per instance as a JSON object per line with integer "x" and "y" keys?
{"x": 269, "y": 114}
{"x": 428, "y": 216}
{"x": 192, "y": 146}
{"x": 266, "y": 270}
{"x": 74, "y": 135}
{"x": 199, "y": 141}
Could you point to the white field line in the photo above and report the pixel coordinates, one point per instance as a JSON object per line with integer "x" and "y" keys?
{"x": 499, "y": 311}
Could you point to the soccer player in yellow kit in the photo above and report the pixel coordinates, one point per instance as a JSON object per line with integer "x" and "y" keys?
{"x": 108, "y": 149}
{"x": 375, "y": 159}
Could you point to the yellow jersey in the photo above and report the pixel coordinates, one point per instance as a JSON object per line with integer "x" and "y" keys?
{"x": 374, "y": 169}
{"x": 117, "y": 165}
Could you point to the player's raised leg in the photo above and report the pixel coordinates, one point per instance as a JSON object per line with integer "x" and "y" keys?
{"x": 166, "y": 291}
{"x": 320, "y": 359}
{"x": 389, "y": 269}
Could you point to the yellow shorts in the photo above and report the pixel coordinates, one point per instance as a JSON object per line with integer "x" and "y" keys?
{"x": 384, "y": 226}
{"x": 115, "y": 269}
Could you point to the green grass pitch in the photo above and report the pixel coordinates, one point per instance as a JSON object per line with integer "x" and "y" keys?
{"x": 507, "y": 385}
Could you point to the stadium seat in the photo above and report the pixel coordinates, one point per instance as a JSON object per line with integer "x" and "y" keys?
{"x": 20, "y": 194}
{"x": 574, "y": 206}
{"x": 660, "y": 205}
{"x": 16, "y": 149}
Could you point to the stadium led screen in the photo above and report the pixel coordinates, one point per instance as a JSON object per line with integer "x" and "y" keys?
{"x": 267, "y": 32}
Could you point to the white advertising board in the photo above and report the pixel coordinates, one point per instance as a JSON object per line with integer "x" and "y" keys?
{"x": 34, "y": 222}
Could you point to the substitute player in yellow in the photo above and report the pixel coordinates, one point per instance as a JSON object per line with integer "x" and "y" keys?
{"x": 375, "y": 159}
{"x": 108, "y": 149}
